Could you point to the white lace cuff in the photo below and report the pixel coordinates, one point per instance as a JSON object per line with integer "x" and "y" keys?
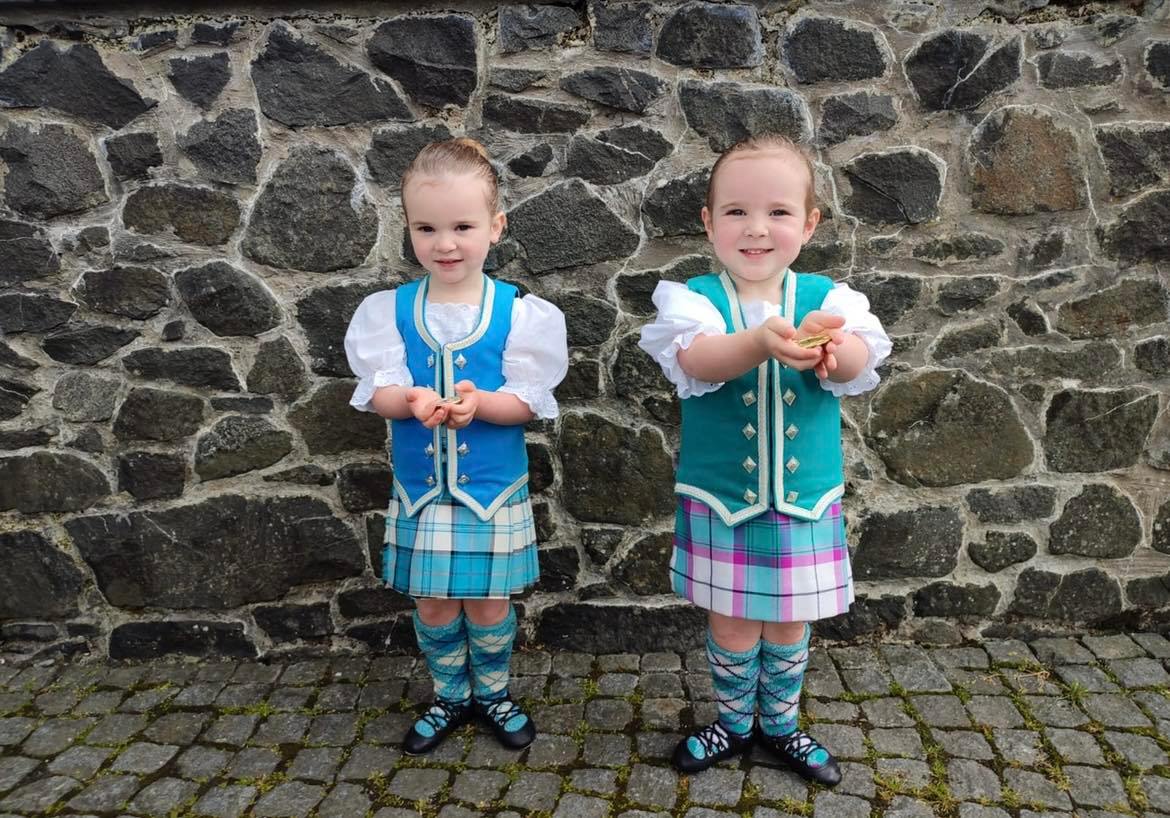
{"x": 539, "y": 400}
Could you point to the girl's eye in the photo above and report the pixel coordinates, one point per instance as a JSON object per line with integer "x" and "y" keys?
{"x": 780, "y": 212}
{"x": 735, "y": 211}
{"x": 463, "y": 227}
{"x": 425, "y": 228}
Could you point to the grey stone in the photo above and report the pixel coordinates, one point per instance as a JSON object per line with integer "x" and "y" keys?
{"x": 225, "y": 801}
{"x": 533, "y": 26}
{"x": 1141, "y": 752}
{"x": 825, "y": 48}
{"x": 40, "y": 795}
{"x": 897, "y": 741}
{"x": 533, "y": 791}
{"x": 297, "y": 85}
{"x": 73, "y": 80}
{"x": 1011, "y": 150}
{"x": 529, "y": 115}
{"x": 194, "y": 366}
{"x": 31, "y": 312}
{"x": 1075, "y": 746}
{"x": 393, "y": 148}
{"x": 1098, "y": 522}
{"x": 163, "y": 796}
{"x": 709, "y": 35}
{"x": 907, "y": 773}
{"x": 623, "y": 27}
{"x": 14, "y": 769}
{"x": 1073, "y": 69}
{"x": 1135, "y": 236}
{"x": 192, "y": 214}
{"x": 478, "y": 786}
{"x": 1139, "y": 672}
{"x": 105, "y": 793}
{"x": 1153, "y": 356}
{"x": 586, "y": 231}
{"x": 606, "y": 750}
{"x": 845, "y": 741}
{"x": 1114, "y": 710}
{"x": 1001, "y": 549}
{"x": 653, "y": 786}
{"x": 51, "y": 171}
{"x": 716, "y": 787}
{"x": 1091, "y": 679}
{"x": 132, "y": 155}
{"x": 622, "y": 88}
{"x": 1137, "y": 155}
{"x": 941, "y": 711}
{"x": 315, "y": 418}
{"x": 343, "y": 801}
{"x": 200, "y": 79}
{"x": 1055, "y": 712}
{"x": 832, "y": 805}
{"x": 957, "y": 69}
{"x": 309, "y": 217}
{"x": 924, "y": 541}
{"x": 726, "y": 112}
{"x": 573, "y": 805}
{"x": 239, "y": 444}
{"x": 1036, "y": 788}
{"x": 594, "y": 780}
{"x": 432, "y": 57}
{"x": 226, "y": 148}
{"x": 994, "y": 711}
{"x": 1012, "y": 505}
{"x": 293, "y": 799}
{"x": 901, "y": 185}
{"x": 317, "y": 764}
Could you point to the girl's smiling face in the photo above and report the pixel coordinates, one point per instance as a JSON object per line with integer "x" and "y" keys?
{"x": 759, "y": 219}
{"x": 451, "y": 226}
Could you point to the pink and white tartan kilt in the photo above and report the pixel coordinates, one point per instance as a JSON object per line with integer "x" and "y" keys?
{"x": 773, "y": 568}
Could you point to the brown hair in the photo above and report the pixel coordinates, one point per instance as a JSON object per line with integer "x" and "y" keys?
{"x": 459, "y": 155}
{"x": 767, "y": 142}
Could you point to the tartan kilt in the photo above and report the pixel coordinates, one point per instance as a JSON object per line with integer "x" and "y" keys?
{"x": 772, "y": 568}
{"x": 445, "y": 551}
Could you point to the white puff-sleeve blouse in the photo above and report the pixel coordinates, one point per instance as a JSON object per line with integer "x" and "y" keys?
{"x": 535, "y": 355}
{"x": 684, "y": 315}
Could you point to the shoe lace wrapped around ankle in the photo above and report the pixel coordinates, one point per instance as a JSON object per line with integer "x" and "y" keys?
{"x": 712, "y": 739}
{"x": 503, "y": 711}
{"x": 802, "y": 746}
{"x": 439, "y": 714}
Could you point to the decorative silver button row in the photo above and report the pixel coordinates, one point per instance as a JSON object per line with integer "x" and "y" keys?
{"x": 749, "y": 397}
{"x": 792, "y": 465}
{"x": 750, "y": 496}
{"x": 430, "y": 480}
{"x": 749, "y": 465}
{"x": 789, "y": 397}
{"x": 431, "y": 360}
{"x": 430, "y": 450}
{"x": 749, "y": 431}
{"x": 463, "y": 449}
{"x": 791, "y": 431}
{"x": 459, "y": 362}
{"x": 792, "y": 495}
{"x": 463, "y": 480}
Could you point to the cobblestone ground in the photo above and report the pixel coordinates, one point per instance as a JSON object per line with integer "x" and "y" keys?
{"x": 1051, "y": 728}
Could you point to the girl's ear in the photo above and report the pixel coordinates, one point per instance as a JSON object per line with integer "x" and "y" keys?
{"x": 499, "y": 222}
{"x": 814, "y": 218}
{"x": 705, "y": 215}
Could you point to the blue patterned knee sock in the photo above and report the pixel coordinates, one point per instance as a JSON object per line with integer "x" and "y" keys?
{"x": 445, "y": 649}
{"x": 781, "y": 678}
{"x": 491, "y": 662}
{"x": 735, "y": 677}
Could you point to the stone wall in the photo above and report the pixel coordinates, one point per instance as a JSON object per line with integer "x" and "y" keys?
{"x": 193, "y": 207}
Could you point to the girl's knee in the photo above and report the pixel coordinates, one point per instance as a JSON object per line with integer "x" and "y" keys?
{"x": 784, "y": 633}
{"x": 734, "y": 634}
{"x": 437, "y": 612}
{"x": 487, "y": 611}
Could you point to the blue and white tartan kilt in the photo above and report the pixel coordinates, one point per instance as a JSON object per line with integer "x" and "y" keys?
{"x": 445, "y": 551}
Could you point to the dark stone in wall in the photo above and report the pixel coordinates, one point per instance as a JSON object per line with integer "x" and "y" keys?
{"x": 944, "y": 428}
{"x": 1028, "y": 317}
{"x": 378, "y": 601}
{"x": 1157, "y": 61}
{"x": 208, "y": 367}
{"x": 226, "y": 148}
{"x": 1074, "y": 69}
{"x": 393, "y": 148}
{"x": 515, "y": 79}
{"x": 247, "y": 405}
{"x": 1149, "y": 592}
{"x": 189, "y": 637}
{"x": 963, "y": 294}
{"x": 200, "y": 79}
{"x": 288, "y": 623}
{"x": 623, "y": 88}
{"x": 1139, "y": 232}
{"x": 73, "y": 80}
{"x": 527, "y": 115}
{"x": 85, "y": 396}
{"x": 132, "y": 155}
{"x": 914, "y": 543}
{"x": 1153, "y": 356}
{"x": 949, "y": 599}
{"x": 193, "y": 214}
{"x": 583, "y": 380}
{"x": 614, "y": 474}
{"x": 51, "y": 171}
{"x": 432, "y": 57}
{"x": 956, "y": 70}
{"x": 324, "y": 313}
{"x": 726, "y": 112}
{"x": 227, "y": 300}
{"x": 535, "y": 160}
{"x": 278, "y": 370}
{"x": 32, "y": 312}
{"x": 1099, "y": 522}
{"x": 1083, "y": 596}
{"x": 132, "y": 292}
{"x": 635, "y": 290}
{"x": 672, "y": 209}
{"x": 86, "y": 344}
{"x": 590, "y": 321}
{"x": 48, "y": 481}
{"x": 26, "y": 257}
{"x": 899, "y": 185}
{"x": 559, "y": 566}
{"x": 26, "y": 438}
{"x": 364, "y": 486}
{"x": 540, "y": 467}
{"x": 858, "y": 114}
{"x": 1087, "y": 362}
{"x": 14, "y": 395}
{"x": 709, "y": 35}
{"x": 1087, "y": 431}
{"x": 152, "y": 475}
{"x": 958, "y": 247}
{"x": 567, "y": 225}
{"x": 528, "y": 26}
{"x": 1012, "y": 505}
{"x": 890, "y": 296}
{"x": 866, "y": 616}
{"x": 305, "y": 217}
{"x": 1133, "y": 302}
{"x": 599, "y": 162}
{"x": 644, "y": 569}
{"x": 1136, "y": 155}
{"x": 1161, "y": 530}
{"x": 239, "y": 444}
{"x": 635, "y": 374}
{"x": 298, "y": 84}
{"x": 823, "y": 48}
{"x": 968, "y": 339}
{"x": 203, "y": 555}
{"x": 622, "y": 27}
{"x": 157, "y": 414}
{"x": 155, "y": 40}
{"x": 316, "y": 418}
{"x": 209, "y": 34}
{"x": 1001, "y": 549}
{"x": 38, "y": 580}
{"x": 605, "y": 628}
{"x": 11, "y": 358}
{"x": 310, "y": 475}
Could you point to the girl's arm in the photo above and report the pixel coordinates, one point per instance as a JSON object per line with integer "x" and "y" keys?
{"x": 852, "y": 356}
{"x": 721, "y": 358}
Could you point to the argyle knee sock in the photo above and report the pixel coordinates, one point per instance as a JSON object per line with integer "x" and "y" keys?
{"x": 491, "y": 664}
{"x": 445, "y": 649}
{"x": 735, "y": 677}
{"x": 781, "y": 679}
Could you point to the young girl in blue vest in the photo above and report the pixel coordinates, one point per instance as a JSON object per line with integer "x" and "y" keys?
{"x": 459, "y": 362}
{"x": 759, "y": 536}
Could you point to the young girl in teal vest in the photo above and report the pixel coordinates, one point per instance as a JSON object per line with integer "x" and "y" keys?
{"x": 759, "y": 536}
{"x": 459, "y": 362}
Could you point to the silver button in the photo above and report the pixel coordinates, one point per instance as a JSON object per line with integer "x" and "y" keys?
{"x": 431, "y": 360}
{"x": 464, "y": 479}
{"x": 791, "y": 497}
{"x": 749, "y": 465}
{"x": 463, "y": 449}
{"x": 791, "y": 431}
{"x": 792, "y": 465}
{"x": 430, "y": 480}
{"x": 460, "y": 361}
{"x": 749, "y": 397}
{"x": 789, "y": 397}
{"x": 749, "y": 431}
{"x": 750, "y": 496}
{"x": 430, "y": 449}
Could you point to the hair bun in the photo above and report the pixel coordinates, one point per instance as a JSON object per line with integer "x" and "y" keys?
{"x": 474, "y": 144}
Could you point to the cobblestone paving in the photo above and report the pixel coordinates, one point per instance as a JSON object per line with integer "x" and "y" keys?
{"x": 1056, "y": 727}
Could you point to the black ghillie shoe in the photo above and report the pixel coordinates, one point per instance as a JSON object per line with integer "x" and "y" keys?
{"x": 440, "y": 719}
{"x": 797, "y": 749}
{"x": 708, "y": 746}
{"x": 504, "y": 717}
